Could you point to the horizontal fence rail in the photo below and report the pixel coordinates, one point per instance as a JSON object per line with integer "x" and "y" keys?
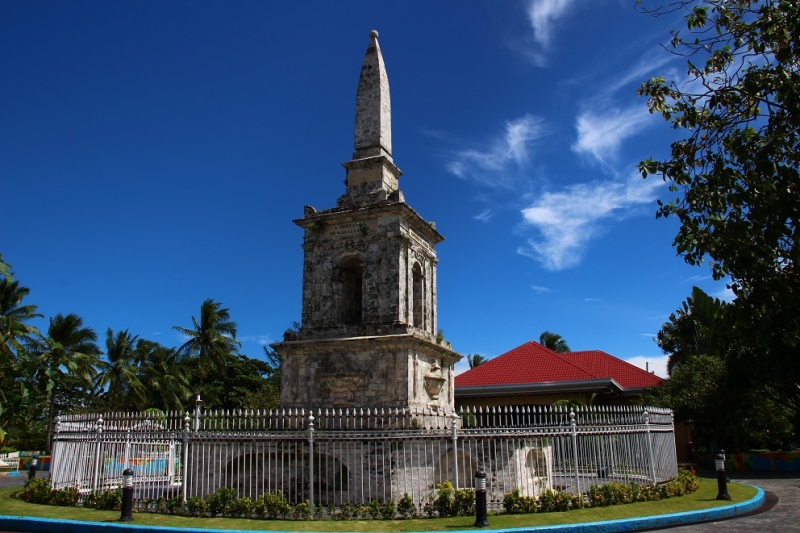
{"x": 336, "y": 456}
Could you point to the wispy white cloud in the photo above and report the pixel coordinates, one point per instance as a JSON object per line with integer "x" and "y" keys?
{"x": 566, "y": 221}
{"x": 485, "y": 215}
{"x": 654, "y": 60}
{"x": 540, "y": 290}
{"x": 263, "y": 340}
{"x": 543, "y": 16}
{"x": 495, "y": 166}
{"x": 600, "y": 134}
{"x": 592, "y": 299}
{"x": 725, "y": 294}
{"x": 656, "y": 364}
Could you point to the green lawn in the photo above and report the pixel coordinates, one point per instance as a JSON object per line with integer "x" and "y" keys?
{"x": 702, "y": 499}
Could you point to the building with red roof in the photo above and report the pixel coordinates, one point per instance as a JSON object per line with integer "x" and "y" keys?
{"x": 532, "y": 374}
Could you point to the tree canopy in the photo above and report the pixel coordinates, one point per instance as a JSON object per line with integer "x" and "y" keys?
{"x": 735, "y": 175}
{"x": 554, "y": 341}
{"x": 64, "y": 369}
{"x": 475, "y": 360}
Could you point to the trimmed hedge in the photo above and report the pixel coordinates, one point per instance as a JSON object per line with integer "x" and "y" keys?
{"x": 601, "y": 495}
{"x": 447, "y": 501}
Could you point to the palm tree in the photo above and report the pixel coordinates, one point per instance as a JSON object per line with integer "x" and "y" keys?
{"x": 553, "y": 341}
{"x": 213, "y": 339}
{"x": 164, "y": 376}
{"x": 68, "y": 354}
{"x": 16, "y": 367}
{"x": 475, "y": 360}
{"x": 14, "y": 331}
{"x": 694, "y": 329}
{"x": 119, "y": 373}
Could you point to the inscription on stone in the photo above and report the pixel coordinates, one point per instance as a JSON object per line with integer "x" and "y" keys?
{"x": 351, "y": 228}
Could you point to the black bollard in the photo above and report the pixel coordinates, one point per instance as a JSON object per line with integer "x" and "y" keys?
{"x": 127, "y": 496}
{"x": 481, "y": 519}
{"x": 722, "y": 478}
{"x": 34, "y": 466}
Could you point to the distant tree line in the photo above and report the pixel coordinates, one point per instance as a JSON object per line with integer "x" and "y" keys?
{"x": 68, "y": 368}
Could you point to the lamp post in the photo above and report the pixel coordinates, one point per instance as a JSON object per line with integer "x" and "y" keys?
{"x": 722, "y": 482}
{"x": 481, "y": 520}
{"x": 34, "y": 466}
{"x": 127, "y": 496}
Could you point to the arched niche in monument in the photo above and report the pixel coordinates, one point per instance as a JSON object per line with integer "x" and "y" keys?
{"x": 352, "y": 290}
{"x": 418, "y": 296}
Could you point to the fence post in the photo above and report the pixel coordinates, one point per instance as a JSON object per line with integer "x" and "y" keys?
{"x": 454, "y": 431}
{"x": 185, "y": 461}
{"x": 198, "y": 407}
{"x": 311, "y": 461}
{"x": 54, "y": 460}
{"x": 99, "y": 433}
{"x": 127, "y": 461}
{"x": 575, "y": 449}
{"x": 650, "y": 447}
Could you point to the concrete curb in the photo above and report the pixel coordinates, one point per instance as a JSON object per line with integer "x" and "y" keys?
{"x": 51, "y": 525}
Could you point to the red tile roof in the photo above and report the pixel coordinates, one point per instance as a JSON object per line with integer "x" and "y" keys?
{"x": 608, "y": 366}
{"x": 533, "y": 363}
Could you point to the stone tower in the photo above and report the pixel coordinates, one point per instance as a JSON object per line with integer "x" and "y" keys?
{"x": 368, "y": 336}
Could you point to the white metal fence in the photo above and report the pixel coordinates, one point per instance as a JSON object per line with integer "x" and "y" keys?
{"x": 332, "y": 456}
{"x": 9, "y": 462}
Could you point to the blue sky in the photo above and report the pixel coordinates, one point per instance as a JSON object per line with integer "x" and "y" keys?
{"x": 154, "y": 154}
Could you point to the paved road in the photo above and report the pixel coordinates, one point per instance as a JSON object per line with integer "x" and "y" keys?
{"x": 7, "y": 482}
{"x": 783, "y": 517}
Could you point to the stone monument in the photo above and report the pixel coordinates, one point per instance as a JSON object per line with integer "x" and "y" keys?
{"x": 368, "y": 336}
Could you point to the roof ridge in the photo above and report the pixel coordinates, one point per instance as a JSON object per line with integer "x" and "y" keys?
{"x": 573, "y": 363}
{"x": 641, "y": 370}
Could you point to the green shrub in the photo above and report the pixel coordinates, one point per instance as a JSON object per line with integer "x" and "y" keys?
{"x": 464, "y": 502}
{"x": 389, "y": 510}
{"x": 429, "y": 507}
{"x": 374, "y": 509}
{"x": 346, "y": 511}
{"x": 562, "y": 501}
{"x": 272, "y": 505}
{"x": 547, "y": 501}
{"x": 406, "y": 507}
{"x": 37, "y": 490}
{"x": 174, "y": 504}
{"x": 66, "y": 497}
{"x": 445, "y": 502}
{"x": 514, "y": 502}
{"x": 219, "y": 502}
{"x": 302, "y": 511}
{"x": 108, "y": 500}
{"x": 196, "y": 506}
{"x": 240, "y": 507}
{"x": 161, "y": 505}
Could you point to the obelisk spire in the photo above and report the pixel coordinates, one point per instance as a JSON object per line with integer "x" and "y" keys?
{"x": 373, "y": 108}
{"x": 371, "y": 174}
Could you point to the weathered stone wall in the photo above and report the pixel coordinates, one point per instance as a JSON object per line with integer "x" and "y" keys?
{"x": 388, "y": 371}
{"x": 387, "y": 244}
